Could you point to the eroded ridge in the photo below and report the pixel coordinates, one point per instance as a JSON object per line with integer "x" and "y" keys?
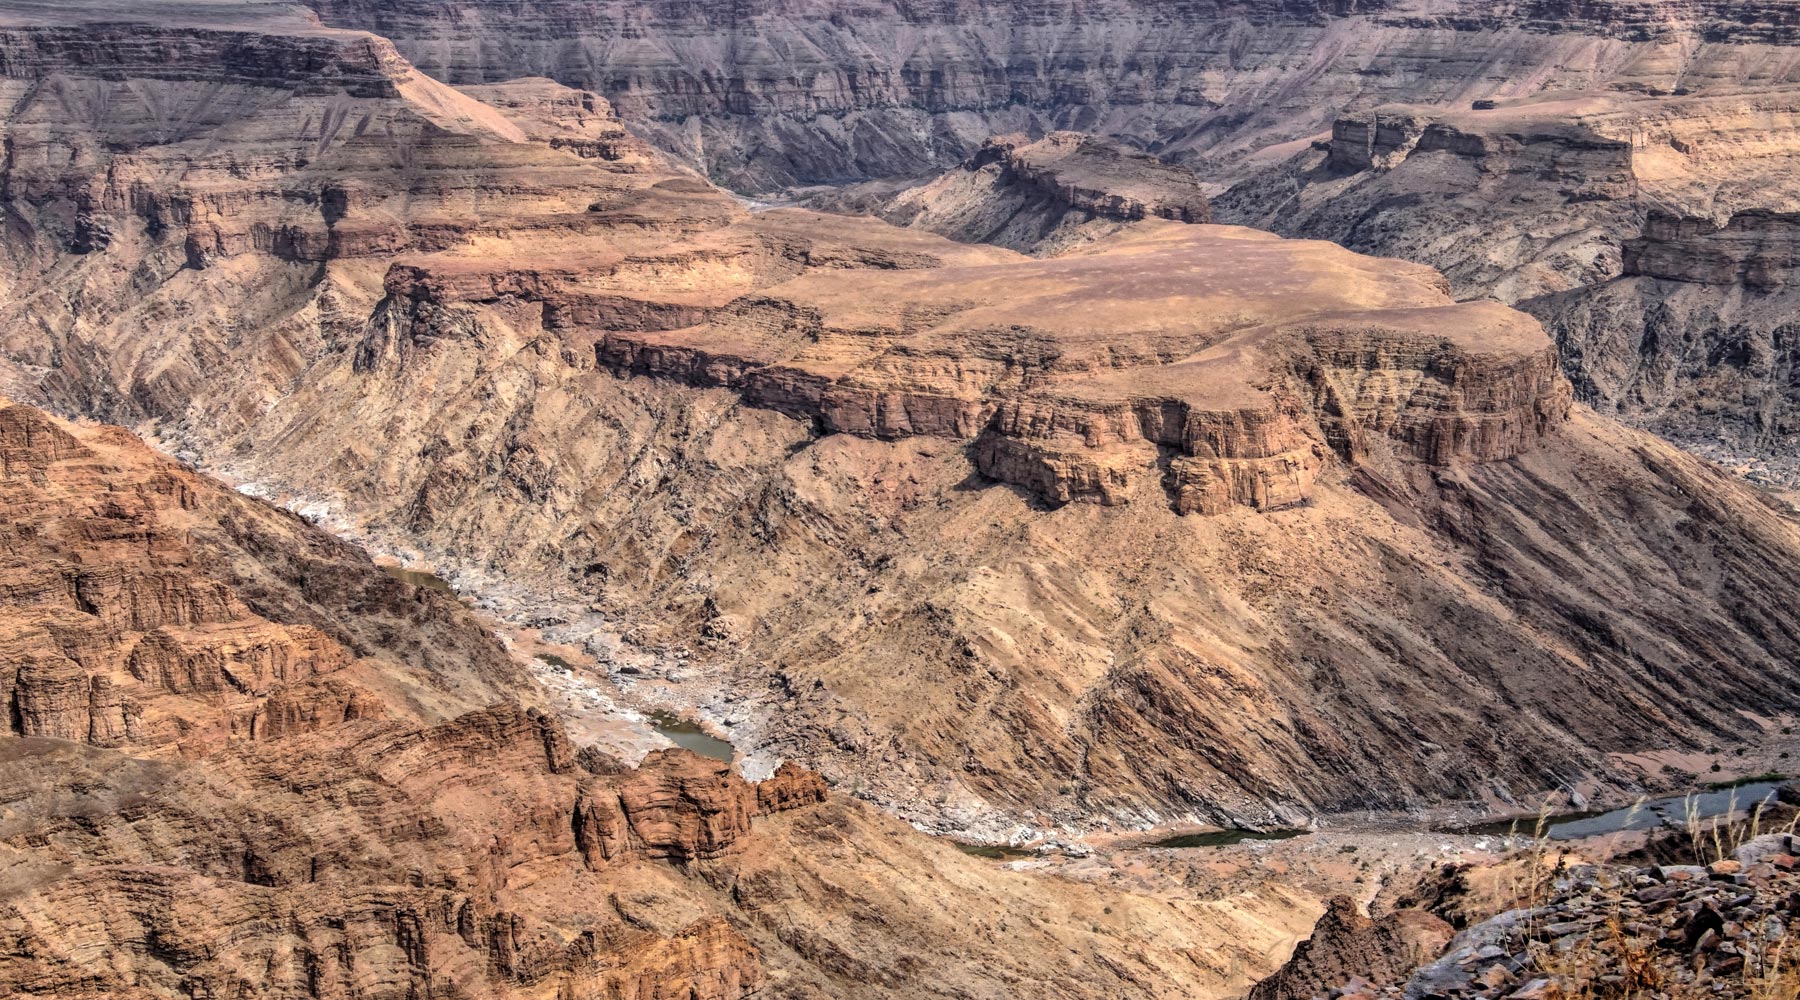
{"x": 1220, "y": 365}
{"x": 151, "y": 609}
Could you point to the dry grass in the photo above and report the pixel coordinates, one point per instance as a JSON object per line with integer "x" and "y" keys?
{"x": 1718, "y": 837}
{"x": 1612, "y": 962}
{"x": 1615, "y": 965}
{"x": 1534, "y": 879}
{"x": 1772, "y": 970}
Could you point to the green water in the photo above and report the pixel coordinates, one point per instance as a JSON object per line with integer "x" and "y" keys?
{"x": 992, "y": 852}
{"x": 558, "y": 662}
{"x": 1225, "y": 838}
{"x": 689, "y": 736}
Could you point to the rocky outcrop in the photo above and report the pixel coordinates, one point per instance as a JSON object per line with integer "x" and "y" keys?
{"x": 1584, "y": 208}
{"x": 1572, "y": 160}
{"x": 1758, "y": 250}
{"x": 148, "y": 607}
{"x": 1513, "y": 199}
{"x": 1379, "y": 140}
{"x": 790, "y": 787}
{"x": 1087, "y": 174}
{"x": 1347, "y": 947}
{"x": 1721, "y": 924}
{"x": 683, "y": 807}
{"x": 1247, "y": 406}
{"x": 782, "y": 93}
{"x": 1040, "y": 197}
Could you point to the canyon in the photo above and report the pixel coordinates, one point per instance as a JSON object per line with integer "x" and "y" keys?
{"x": 1012, "y": 541}
{"x": 768, "y": 94}
{"x": 1039, "y": 197}
{"x": 1043, "y": 456}
{"x": 1646, "y": 232}
{"x": 1693, "y": 100}
{"x": 375, "y": 814}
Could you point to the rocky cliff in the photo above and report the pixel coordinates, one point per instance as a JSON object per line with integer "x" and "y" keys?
{"x": 240, "y": 761}
{"x": 1037, "y": 197}
{"x": 1709, "y": 365}
{"x": 1570, "y": 205}
{"x": 1641, "y": 106}
{"x": 911, "y": 511}
{"x": 771, "y": 93}
{"x": 1753, "y": 249}
{"x": 149, "y": 608}
{"x": 1062, "y": 403}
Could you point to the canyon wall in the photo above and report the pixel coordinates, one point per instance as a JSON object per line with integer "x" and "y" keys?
{"x": 1754, "y": 249}
{"x": 774, "y": 94}
{"x": 771, "y": 93}
{"x": 152, "y": 609}
{"x": 1039, "y": 197}
{"x": 1696, "y": 337}
{"x": 1182, "y": 521}
{"x": 281, "y": 789}
{"x": 1648, "y": 233}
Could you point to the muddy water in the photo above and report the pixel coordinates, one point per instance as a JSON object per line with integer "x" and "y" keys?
{"x": 689, "y": 736}
{"x": 419, "y": 578}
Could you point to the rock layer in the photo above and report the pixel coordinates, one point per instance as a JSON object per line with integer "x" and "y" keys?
{"x": 1036, "y": 197}
{"x": 1583, "y": 208}
{"x": 1088, "y": 363}
{"x": 908, "y": 507}
{"x": 777, "y": 92}
{"x": 1754, "y": 250}
{"x": 150, "y": 608}
{"x": 355, "y": 831}
{"x": 1347, "y": 947}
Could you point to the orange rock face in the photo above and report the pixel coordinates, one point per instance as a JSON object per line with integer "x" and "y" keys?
{"x": 1249, "y": 358}
{"x": 274, "y": 882}
{"x": 148, "y": 610}
{"x": 254, "y": 770}
{"x": 910, "y": 508}
{"x": 134, "y": 619}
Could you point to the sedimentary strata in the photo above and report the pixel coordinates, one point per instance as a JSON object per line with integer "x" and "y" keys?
{"x": 1185, "y": 521}
{"x": 775, "y": 93}
{"x": 149, "y": 608}
{"x": 241, "y": 760}
{"x": 1039, "y": 197}
{"x": 1647, "y": 232}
